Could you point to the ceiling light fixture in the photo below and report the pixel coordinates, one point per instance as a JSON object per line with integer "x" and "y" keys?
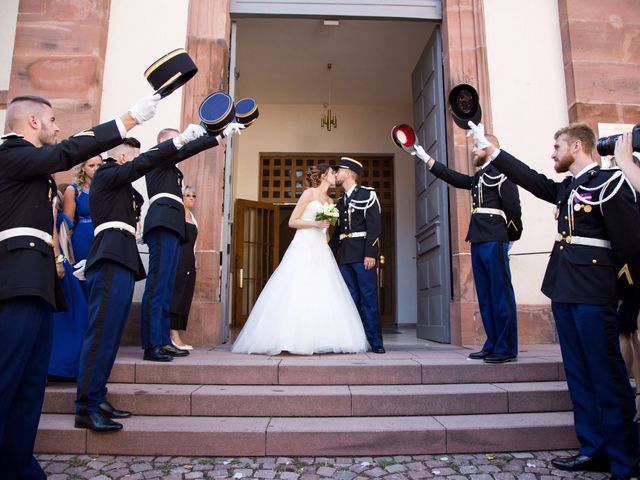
{"x": 328, "y": 119}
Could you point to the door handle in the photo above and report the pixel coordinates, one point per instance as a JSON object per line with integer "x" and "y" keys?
{"x": 240, "y": 278}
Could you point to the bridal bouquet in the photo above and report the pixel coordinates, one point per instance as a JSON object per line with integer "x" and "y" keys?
{"x": 328, "y": 212}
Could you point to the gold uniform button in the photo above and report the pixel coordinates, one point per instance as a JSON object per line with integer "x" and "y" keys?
{"x": 564, "y": 233}
{"x": 594, "y": 261}
{"x": 566, "y": 218}
{"x": 561, "y": 247}
{"x": 31, "y": 244}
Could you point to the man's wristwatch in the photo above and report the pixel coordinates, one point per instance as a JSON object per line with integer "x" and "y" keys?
{"x": 60, "y": 259}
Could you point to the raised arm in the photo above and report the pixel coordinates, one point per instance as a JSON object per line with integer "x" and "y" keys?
{"x": 452, "y": 177}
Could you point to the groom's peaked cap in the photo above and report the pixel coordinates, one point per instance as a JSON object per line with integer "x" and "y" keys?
{"x": 351, "y": 164}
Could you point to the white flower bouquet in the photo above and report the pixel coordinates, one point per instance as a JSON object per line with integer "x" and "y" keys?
{"x": 328, "y": 212}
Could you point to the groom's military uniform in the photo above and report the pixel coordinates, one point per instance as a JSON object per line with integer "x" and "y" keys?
{"x": 357, "y": 236}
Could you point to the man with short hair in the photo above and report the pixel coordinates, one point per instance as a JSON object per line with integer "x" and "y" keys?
{"x": 496, "y": 220}
{"x": 594, "y": 208}
{"x": 356, "y": 243}
{"x": 29, "y": 288}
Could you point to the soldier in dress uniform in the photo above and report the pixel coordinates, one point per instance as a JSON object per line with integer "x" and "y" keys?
{"x": 164, "y": 231}
{"x": 356, "y": 243}
{"x": 29, "y": 288}
{"x": 114, "y": 265}
{"x": 594, "y": 209}
{"x": 496, "y": 220}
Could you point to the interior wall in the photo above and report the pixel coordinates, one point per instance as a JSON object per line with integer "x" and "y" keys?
{"x": 361, "y": 129}
{"x": 124, "y": 82}
{"x": 528, "y": 101}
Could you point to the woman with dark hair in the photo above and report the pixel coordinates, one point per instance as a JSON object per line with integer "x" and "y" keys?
{"x": 305, "y": 307}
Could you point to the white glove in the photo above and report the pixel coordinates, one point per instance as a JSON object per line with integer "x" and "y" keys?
{"x": 79, "y": 269}
{"x": 232, "y": 129}
{"x": 190, "y": 133}
{"x": 478, "y": 135}
{"x": 145, "y": 108}
{"x": 420, "y": 153}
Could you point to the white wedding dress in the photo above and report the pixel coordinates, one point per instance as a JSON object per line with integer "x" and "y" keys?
{"x": 305, "y": 307}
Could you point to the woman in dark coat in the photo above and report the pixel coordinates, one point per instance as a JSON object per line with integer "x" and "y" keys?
{"x": 185, "y": 273}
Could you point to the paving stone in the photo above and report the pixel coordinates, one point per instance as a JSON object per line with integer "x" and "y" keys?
{"x": 444, "y": 471}
{"x": 395, "y": 468}
{"x": 140, "y": 467}
{"x": 326, "y": 471}
{"x": 468, "y": 469}
{"x": 57, "y": 467}
{"x": 481, "y": 476}
{"x": 265, "y": 474}
{"x": 289, "y": 476}
{"x": 375, "y": 472}
{"x": 344, "y": 475}
{"x": 91, "y": 474}
{"x": 153, "y": 474}
{"x": 419, "y": 474}
{"x": 192, "y": 475}
{"x": 522, "y": 455}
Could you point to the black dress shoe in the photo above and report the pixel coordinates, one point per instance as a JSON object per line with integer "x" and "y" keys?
{"x": 479, "y": 355}
{"x": 97, "y": 422}
{"x": 500, "y": 358}
{"x": 580, "y": 463}
{"x": 108, "y": 411}
{"x": 156, "y": 354}
{"x": 378, "y": 350}
{"x": 175, "y": 352}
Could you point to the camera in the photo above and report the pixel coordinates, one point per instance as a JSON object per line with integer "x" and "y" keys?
{"x": 607, "y": 145}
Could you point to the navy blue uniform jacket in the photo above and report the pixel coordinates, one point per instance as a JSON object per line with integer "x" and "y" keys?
{"x": 27, "y": 266}
{"x": 112, "y": 198}
{"x": 353, "y": 250}
{"x": 580, "y": 273}
{"x": 488, "y": 194}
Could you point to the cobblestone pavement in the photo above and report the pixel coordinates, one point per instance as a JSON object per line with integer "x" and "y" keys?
{"x": 485, "y": 466}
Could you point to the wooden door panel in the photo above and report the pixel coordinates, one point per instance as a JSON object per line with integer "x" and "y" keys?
{"x": 255, "y": 253}
{"x": 432, "y": 223}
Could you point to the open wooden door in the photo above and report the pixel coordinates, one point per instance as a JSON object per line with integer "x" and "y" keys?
{"x": 432, "y": 200}
{"x": 255, "y": 253}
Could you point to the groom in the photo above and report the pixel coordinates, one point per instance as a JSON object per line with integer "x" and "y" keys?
{"x": 355, "y": 242}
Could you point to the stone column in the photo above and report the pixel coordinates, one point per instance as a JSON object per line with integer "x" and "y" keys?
{"x": 600, "y": 45}
{"x": 465, "y": 61}
{"x": 208, "y": 37}
{"x": 59, "y": 54}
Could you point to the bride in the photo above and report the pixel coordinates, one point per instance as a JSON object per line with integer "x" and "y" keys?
{"x": 305, "y": 307}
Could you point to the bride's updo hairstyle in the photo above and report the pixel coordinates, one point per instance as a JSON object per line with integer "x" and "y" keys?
{"x": 314, "y": 174}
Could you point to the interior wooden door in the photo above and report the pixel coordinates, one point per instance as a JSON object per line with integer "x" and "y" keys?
{"x": 281, "y": 183}
{"x": 255, "y": 253}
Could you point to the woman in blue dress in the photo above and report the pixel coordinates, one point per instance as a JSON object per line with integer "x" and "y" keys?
{"x": 74, "y": 234}
{"x": 76, "y": 211}
{"x": 68, "y": 325}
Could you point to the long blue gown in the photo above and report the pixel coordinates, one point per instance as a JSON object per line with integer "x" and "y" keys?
{"x": 69, "y": 326}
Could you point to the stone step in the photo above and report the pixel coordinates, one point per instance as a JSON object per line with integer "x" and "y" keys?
{"x": 323, "y": 401}
{"x": 400, "y": 368}
{"x": 259, "y": 436}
